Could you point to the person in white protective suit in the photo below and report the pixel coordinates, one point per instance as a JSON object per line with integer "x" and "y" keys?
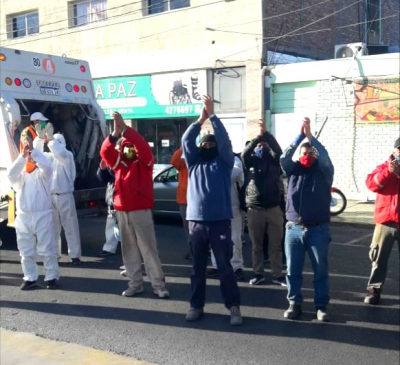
{"x": 34, "y": 221}
{"x": 62, "y": 187}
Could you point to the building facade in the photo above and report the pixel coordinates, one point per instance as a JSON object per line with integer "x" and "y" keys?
{"x": 152, "y": 59}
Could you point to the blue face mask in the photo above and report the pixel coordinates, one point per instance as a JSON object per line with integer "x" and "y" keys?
{"x": 261, "y": 152}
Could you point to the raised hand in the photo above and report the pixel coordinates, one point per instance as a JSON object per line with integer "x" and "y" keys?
{"x": 40, "y": 131}
{"x": 208, "y": 104}
{"x": 49, "y": 130}
{"x": 203, "y": 115}
{"x": 25, "y": 151}
{"x": 307, "y": 128}
{"x": 394, "y": 167}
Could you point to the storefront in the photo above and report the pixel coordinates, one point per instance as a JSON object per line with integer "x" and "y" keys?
{"x": 160, "y": 106}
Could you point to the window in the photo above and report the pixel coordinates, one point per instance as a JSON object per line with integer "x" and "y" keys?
{"x": 160, "y": 6}
{"x": 171, "y": 175}
{"x": 86, "y": 12}
{"x": 373, "y": 22}
{"x": 24, "y": 24}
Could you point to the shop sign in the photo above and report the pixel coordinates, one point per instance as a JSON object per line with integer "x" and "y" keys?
{"x": 377, "y": 99}
{"x": 156, "y": 96}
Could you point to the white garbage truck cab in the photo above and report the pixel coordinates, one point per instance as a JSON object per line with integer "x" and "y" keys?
{"x": 61, "y": 89}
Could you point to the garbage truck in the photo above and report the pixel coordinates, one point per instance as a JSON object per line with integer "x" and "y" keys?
{"x": 61, "y": 89}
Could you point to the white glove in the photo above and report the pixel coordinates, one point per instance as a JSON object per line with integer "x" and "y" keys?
{"x": 40, "y": 131}
{"x": 49, "y": 131}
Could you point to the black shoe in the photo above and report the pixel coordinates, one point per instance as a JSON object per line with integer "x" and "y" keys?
{"x": 105, "y": 253}
{"x": 239, "y": 274}
{"x": 187, "y": 256}
{"x": 51, "y": 284}
{"x": 373, "y": 297}
{"x": 28, "y": 285}
{"x": 323, "y": 315}
{"x": 258, "y": 279}
{"x": 212, "y": 273}
{"x": 293, "y": 311}
{"x": 76, "y": 261}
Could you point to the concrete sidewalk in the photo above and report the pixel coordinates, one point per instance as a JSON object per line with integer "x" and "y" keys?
{"x": 356, "y": 213}
{"x": 22, "y": 348}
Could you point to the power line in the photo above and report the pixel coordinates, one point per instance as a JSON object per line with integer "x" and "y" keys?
{"x": 305, "y": 26}
{"x": 142, "y": 39}
{"x": 108, "y": 25}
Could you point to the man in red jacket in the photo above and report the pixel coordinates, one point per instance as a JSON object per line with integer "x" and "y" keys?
{"x": 385, "y": 181}
{"x": 133, "y": 201}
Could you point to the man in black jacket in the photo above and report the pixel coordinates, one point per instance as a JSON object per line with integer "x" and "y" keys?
{"x": 261, "y": 159}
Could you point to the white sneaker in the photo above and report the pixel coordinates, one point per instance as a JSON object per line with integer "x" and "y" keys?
{"x": 130, "y": 292}
{"x": 123, "y": 273}
{"x": 161, "y": 293}
{"x": 122, "y": 267}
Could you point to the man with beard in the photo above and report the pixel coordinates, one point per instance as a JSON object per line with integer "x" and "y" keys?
{"x": 308, "y": 215}
{"x": 209, "y": 211}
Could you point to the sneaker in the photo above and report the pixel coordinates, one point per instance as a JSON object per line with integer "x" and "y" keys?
{"x": 373, "y": 297}
{"x": 51, "y": 284}
{"x": 161, "y": 293}
{"x": 212, "y": 273}
{"x": 105, "y": 253}
{"x": 123, "y": 273}
{"x": 279, "y": 281}
{"x": 122, "y": 267}
{"x": 236, "y": 316}
{"x": 293, "y": 311}
{"x": 257, "y": 280}
{"x": 130, "y": 292}
{"x": 28, "y": 285}
{"x": 322, "y": 315}
{"x": 194, "y": 314}
{"x": 76, "y": 262}
{"x": 239, "y": 274}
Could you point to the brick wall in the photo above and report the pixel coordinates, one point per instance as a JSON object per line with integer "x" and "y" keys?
{"x": 355, "y": 149}
{"x": 320, "y": 44}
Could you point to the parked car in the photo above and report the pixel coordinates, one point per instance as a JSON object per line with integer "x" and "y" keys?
{"x": 165, "y": 186}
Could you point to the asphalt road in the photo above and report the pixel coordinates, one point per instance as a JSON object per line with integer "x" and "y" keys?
{"x": 88, "y": 309}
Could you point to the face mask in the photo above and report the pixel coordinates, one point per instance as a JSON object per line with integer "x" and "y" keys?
{"x": 397, "y": 159}
{"x": 208, "y": 154}
{"x": 129, "y": 152}
{"x": 307, "y": 161}
{"x": 261, "y": 152}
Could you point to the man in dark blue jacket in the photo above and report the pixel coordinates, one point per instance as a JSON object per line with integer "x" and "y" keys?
{"x": 308, "y": 215}
{"x": 209, "y": 211}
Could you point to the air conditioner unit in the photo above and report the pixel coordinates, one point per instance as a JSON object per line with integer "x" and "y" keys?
{"x": 350, "y": 50}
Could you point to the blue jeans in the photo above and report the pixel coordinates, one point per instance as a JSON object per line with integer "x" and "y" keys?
{"x": 315, "y": 241}
{"x": 216, "y": 234}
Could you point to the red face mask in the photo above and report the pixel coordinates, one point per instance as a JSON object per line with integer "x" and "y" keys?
{"x": 307, "y": 161}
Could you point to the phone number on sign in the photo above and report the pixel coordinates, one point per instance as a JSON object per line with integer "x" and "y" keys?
{"x": 182, "y": 109}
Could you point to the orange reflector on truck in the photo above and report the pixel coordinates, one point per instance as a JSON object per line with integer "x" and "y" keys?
{"x": 83, "y": 88}
{"x": 8, "y": 81}
{"x": 2, "y": 57}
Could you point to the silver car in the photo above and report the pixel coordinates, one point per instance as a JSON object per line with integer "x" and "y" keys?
{"x": 165, "y": 186}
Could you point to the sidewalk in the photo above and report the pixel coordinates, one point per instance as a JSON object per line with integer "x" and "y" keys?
{"x": 356, "y": 213}
{"x": 22, "y": 348}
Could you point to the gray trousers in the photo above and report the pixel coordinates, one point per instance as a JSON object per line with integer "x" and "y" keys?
{"x": 259, "y": 220}
{"x": 138, "y": 240}
{"x": 381, "y": 247}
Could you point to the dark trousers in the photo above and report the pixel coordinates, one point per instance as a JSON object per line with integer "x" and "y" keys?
{"x": 216, "y": 234}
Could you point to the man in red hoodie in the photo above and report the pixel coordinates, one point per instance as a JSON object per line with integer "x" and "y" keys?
{"x": 385, "y": 181}
{"x": 133, "y": 201}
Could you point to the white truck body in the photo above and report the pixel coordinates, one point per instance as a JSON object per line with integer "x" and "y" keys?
{"x": 61, "y": 89}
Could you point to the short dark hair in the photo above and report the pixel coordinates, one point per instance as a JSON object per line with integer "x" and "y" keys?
{"x": 306, "y": 144}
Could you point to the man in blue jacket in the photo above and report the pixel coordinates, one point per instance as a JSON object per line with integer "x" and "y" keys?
{"x": 308, "y": 215}
{"x": 209, "y": 211}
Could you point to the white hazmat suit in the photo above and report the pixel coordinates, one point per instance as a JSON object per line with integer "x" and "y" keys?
{"x": 34, "y": 222}
{"x": 62, "y": 187}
